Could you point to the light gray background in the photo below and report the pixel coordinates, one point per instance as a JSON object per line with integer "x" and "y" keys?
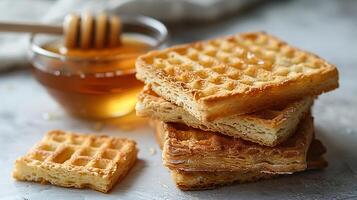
{"x": 328, "y": 28}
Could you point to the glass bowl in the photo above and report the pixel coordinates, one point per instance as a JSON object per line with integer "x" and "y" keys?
{"x": 101, "y": 84}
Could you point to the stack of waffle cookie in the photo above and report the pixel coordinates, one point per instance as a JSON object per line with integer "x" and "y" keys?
{"x": 234, "y": 109}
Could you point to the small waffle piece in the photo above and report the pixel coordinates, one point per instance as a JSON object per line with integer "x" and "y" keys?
{"x": 189, "y": 149}
{"x": 74, "y": 160}
{"x": 209, "y": 180}
{"x": 235, "y": 75}
{"x": 269, "y": 127}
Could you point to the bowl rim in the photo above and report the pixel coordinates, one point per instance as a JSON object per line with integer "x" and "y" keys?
{"x": 141, "y": 20}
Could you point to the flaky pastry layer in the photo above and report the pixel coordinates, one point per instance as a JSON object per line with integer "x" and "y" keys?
{"x": 201, "y": 180}
{"x": 269, "y": 127}
{"x": 190, "y": 149}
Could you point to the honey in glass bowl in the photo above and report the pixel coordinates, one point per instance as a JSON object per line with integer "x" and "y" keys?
{"x": 92, "y": 83}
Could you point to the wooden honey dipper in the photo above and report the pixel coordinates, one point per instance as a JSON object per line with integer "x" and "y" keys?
{"x": 85, "y": 31}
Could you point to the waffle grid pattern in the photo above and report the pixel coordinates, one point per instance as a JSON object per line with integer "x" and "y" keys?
{"x": 99, "y": 153}
{"x": 73, "y": 160}
{"x": 235, "y": 64}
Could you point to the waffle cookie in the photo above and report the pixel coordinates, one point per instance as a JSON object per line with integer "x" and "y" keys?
{"x": 199, "y": 180}
{"x": 74, "y": 160}
{"x": 235, "y": 75}
{"x": 190, "y": 149}
{"x": 269, "y": 127}
{"x": 208, "y": 180}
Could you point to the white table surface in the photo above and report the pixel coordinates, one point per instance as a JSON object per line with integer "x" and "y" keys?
{"x": 328, "y": 29}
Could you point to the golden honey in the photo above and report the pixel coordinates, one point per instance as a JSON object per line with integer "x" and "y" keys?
{"x": 93, "y": 83}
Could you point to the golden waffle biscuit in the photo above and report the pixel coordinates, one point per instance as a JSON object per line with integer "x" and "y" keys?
{"x": 209, "y": 180}
{"x": 269, "y": 127}
{"x": 198, "y": 180}
{"x": 79, "y": 161}
{"x": 190, "y": 149}
{"x": 235, "y": 75}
